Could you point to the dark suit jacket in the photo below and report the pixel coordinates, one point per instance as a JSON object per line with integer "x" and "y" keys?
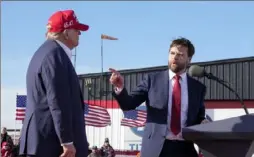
{"x": 154, "y": 89}
{"x": 55, "y": 110}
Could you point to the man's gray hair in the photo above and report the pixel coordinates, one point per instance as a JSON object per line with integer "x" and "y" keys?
{"x": 53, "y": 35}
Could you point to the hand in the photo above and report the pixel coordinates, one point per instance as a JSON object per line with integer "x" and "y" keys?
{"x": 205, "y": 121}
{"x": 68, "y": 151}
{"x": 116, "y": 78}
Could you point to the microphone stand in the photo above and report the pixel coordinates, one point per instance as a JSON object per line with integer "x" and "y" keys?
{"x": 224, "y": 83}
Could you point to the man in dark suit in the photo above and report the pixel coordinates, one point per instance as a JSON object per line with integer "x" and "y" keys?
{"x": 54, "y": 124}
{"x": 173, "y": 99}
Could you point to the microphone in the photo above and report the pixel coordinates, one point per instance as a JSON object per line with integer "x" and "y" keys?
{"x": 197, "y": 71}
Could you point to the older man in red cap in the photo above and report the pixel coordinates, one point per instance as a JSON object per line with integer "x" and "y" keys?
{"x": 54, "y": 124}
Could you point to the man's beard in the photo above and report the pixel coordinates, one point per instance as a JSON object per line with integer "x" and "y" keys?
{"x": 176, "y": 68}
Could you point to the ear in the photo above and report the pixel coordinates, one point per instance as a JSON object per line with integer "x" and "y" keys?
{"x": 66, "y": 34}
{"x": 189, "y": 60}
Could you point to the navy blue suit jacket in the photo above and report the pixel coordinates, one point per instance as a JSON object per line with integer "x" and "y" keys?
{"x": 154, "y": 90}
{"x": 55, "y": 110}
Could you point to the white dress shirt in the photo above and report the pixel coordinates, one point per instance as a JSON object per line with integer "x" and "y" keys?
{"x": 69, "y": 54}
{"x": 184, "y": 103}
{"x": 66, "y": 49}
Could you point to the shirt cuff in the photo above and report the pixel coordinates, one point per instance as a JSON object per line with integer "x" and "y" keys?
{"x": 118, "y": 90}
{"x": 69, "y": 143}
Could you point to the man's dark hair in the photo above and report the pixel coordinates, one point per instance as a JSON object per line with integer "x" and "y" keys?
{"x": 186, "y": 43}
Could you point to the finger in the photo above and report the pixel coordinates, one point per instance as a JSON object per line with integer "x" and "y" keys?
{"x": 69, "y": 155}
{"x": 114, "y": 76}
{"x": 113, "y": 70}
{"x": 72, "y": 154}
{"x": 64, "y": 154}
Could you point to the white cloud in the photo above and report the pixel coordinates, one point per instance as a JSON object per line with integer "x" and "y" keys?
{"x": 8, "y": 106}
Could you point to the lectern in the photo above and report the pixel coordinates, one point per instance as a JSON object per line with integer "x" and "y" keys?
{"x": 232, "y": 137}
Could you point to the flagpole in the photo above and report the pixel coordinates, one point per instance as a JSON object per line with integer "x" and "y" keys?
{"x": 15, "y": 120}
{"x": 101, "y": 82}
{"x": 101, "y": 55}
{"x": 15, "y": 131}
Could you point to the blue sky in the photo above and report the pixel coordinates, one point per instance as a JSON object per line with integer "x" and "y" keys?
{"x": 218, "y": 30}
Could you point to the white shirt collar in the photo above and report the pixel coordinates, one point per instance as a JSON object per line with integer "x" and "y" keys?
{"x": 66, "y": 49}
{"x": 172, "y": 74}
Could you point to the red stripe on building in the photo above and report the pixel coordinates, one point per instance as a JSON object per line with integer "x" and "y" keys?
{"x": 215, "y": 104}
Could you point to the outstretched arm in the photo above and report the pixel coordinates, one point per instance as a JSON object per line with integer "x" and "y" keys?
{"x": 135, "y": 98}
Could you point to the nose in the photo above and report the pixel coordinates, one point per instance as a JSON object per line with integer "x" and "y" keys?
{"x": 175, "y": 57}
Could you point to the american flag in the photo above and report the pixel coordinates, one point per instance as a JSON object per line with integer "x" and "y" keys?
{"x": 96, "y": 116}
{"x": 134, "y": 118}
{"x": 107, "y": 37}
{"x": 20, "y": 107}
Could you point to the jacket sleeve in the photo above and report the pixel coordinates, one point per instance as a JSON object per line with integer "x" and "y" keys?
{"x": 55, "y": 77}
{"x": 135, "y": 98}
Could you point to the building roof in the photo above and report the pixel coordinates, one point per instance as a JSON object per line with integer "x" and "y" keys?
{"x": 158, "y": 68}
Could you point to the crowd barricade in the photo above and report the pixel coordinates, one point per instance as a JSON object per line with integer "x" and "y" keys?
{"x": 133, "y": 153}
{"x": 126, "y": 153}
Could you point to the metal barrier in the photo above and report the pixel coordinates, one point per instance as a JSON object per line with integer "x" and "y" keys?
{"x": 126, "y": 153}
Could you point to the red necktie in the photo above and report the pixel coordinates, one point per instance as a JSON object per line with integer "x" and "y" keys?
{"x": 176, "y": 107}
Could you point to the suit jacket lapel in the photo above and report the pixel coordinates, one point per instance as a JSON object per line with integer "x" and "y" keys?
{"x": 165, "y": 87}
{"x": 191, "y": 97}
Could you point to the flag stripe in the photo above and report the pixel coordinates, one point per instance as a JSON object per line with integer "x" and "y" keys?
{"x": 96, "y": 116}
{"x": 132, "y": 124}
{"x": 20, "y": 107}
{"x": 134, "y": 118}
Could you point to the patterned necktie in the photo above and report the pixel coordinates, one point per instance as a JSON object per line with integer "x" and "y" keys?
{"x": 176, "y": 107}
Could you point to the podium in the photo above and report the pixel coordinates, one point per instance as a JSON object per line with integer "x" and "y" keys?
{"x": 232, "y": 137}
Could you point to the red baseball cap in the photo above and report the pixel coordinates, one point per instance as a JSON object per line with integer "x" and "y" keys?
{"x": 65, "y": 19}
